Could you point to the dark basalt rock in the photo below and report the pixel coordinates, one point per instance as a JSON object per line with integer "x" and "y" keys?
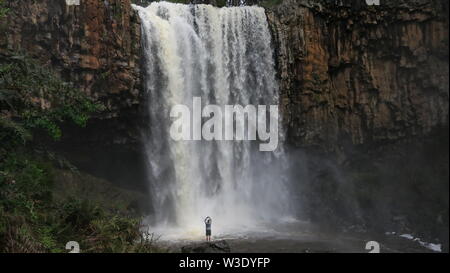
{"x": 353, "y": 75}
{"x": 207, "y": 247}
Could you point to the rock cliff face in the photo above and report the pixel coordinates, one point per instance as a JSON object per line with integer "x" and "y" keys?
{"x": 357, "y": 75}
{"x": 350, "y": 75}
{"x": 368, "y": 84}
{"x": 95, "y": 45}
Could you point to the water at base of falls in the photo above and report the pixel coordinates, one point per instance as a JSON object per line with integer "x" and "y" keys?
{"x": 225, "y": 57}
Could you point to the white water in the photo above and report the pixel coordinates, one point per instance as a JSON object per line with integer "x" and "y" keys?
{"x": 225, "y": 57}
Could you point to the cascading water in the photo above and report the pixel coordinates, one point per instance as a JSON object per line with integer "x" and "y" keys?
{"x": 223, "y": 56}
{"x": 235, "y": 2}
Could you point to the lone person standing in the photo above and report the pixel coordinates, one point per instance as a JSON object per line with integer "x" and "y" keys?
{"x": 208, "y": 222}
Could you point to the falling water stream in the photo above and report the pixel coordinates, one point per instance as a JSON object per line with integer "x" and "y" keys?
{"x": 224, "y": 56}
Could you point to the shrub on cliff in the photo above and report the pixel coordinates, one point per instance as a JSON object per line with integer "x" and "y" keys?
{"x": 33, "y": 97}
{"x": 3, "y": 9}
{"x": 31, "y": 220}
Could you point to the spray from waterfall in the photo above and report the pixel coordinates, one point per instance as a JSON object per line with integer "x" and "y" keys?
{"x": 223, "y": 56}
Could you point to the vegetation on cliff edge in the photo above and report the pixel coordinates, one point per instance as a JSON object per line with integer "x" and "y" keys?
{"x": 34, "y": 103}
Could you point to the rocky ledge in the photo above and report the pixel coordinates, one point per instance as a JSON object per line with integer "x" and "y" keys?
{"x": 207, "y": 247}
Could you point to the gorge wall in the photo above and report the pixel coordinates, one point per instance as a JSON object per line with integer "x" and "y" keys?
{"x": 357, "y": 75}
{"x": 365, "y": 93}
{"x": 350, "y": 74}
{"x": 352, "y": 78}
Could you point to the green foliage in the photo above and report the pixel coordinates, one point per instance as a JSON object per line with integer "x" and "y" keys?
{"x": 13, "y": 133}
{"x": 3, "y": 10}
{"x": 32, "y": 100}
{"x": 31, "y": 220}
{"x": 35, "y": 98}
{"x": 25, "y": 184}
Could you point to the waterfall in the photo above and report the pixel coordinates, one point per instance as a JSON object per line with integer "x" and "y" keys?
{"x": 224, "y": 56}
{"x": 235, "y": 2}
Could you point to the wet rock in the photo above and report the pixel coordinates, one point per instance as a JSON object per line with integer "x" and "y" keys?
{"x": 207, "y": 247}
